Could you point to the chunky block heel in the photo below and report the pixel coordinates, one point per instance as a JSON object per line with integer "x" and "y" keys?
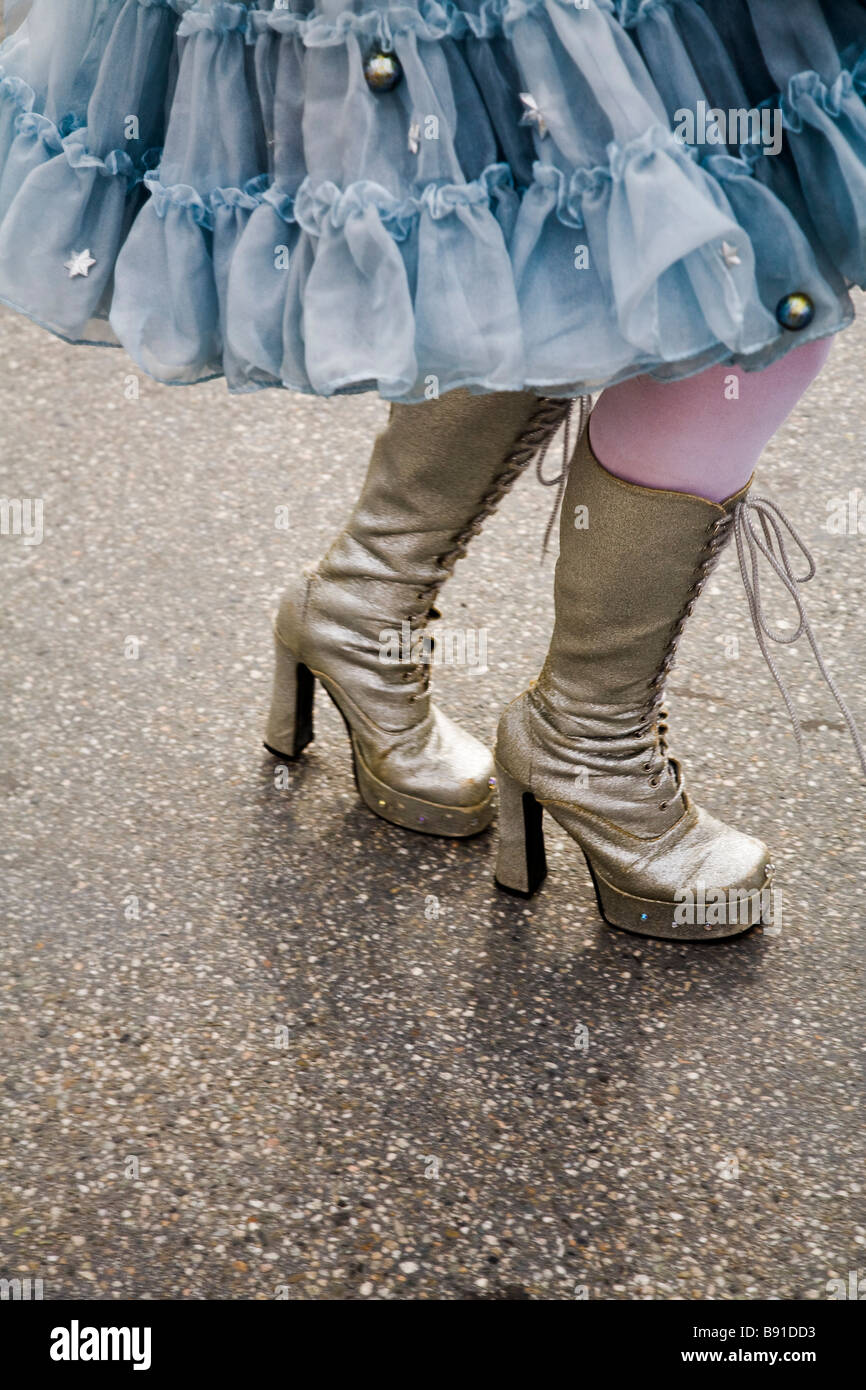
{"x": 521, "y": 866}
{"x": 290, "y": 722}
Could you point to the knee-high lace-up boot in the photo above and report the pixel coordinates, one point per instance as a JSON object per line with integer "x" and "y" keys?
{"x": 436, "y": 472}
{"x": 587, "y": 743}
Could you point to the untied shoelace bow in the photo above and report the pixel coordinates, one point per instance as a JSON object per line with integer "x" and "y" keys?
{"x": 751, "y": 546}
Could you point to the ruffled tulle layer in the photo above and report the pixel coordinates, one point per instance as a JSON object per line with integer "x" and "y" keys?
{"x": 518, "y": 210}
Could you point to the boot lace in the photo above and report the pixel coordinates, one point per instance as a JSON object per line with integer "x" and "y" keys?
{"x": 560, "y": 479}
{"x": 769, "y": 539}
{"x": 773, "y": 546}
{"x": 654, "y": 718}
{"x": 532, "y": 443}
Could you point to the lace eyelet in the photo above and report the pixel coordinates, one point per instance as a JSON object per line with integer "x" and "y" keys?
{"x": 654, "y": 782}
{"x": 663, "y": 805}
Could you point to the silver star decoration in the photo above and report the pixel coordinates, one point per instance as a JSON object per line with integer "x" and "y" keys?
{"x": 414, "y": 138}
{"x": 80, "y": 263}
{"x": 533, "y": 115}
{"x": 730, "y": 255}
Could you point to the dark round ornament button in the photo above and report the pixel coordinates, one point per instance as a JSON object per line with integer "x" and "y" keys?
{"x": 795, "y": 312}
{"x": 382, "y": 70}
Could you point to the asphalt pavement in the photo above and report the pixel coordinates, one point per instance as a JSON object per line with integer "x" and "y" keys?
{"x": 257, "y": 1043}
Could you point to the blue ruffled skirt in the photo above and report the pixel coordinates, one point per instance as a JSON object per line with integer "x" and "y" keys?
{"x": 420, "y": 195}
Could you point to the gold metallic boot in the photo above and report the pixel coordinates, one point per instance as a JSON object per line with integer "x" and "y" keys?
{"x": 437, "y": 471}
{"x": 587, "y": 743}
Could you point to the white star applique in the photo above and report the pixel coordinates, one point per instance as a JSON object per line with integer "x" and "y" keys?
{"x": 730, "y": 255}
{"x": 533, "y": 115}
{"x": 80, "y": 263}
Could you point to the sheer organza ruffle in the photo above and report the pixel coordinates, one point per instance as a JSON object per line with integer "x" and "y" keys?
{"x": 252, "y": 209}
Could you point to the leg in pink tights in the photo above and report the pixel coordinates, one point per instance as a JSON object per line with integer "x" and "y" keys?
{"x": 703, "y": 435}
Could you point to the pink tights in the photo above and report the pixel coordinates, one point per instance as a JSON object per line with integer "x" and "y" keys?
{"x": 703, "y": 435}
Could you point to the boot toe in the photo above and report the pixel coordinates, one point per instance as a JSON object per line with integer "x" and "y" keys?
{"x": 732, "y": 859}
{"x": 453, "y": 767}
{"x": 459, "y": 768}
